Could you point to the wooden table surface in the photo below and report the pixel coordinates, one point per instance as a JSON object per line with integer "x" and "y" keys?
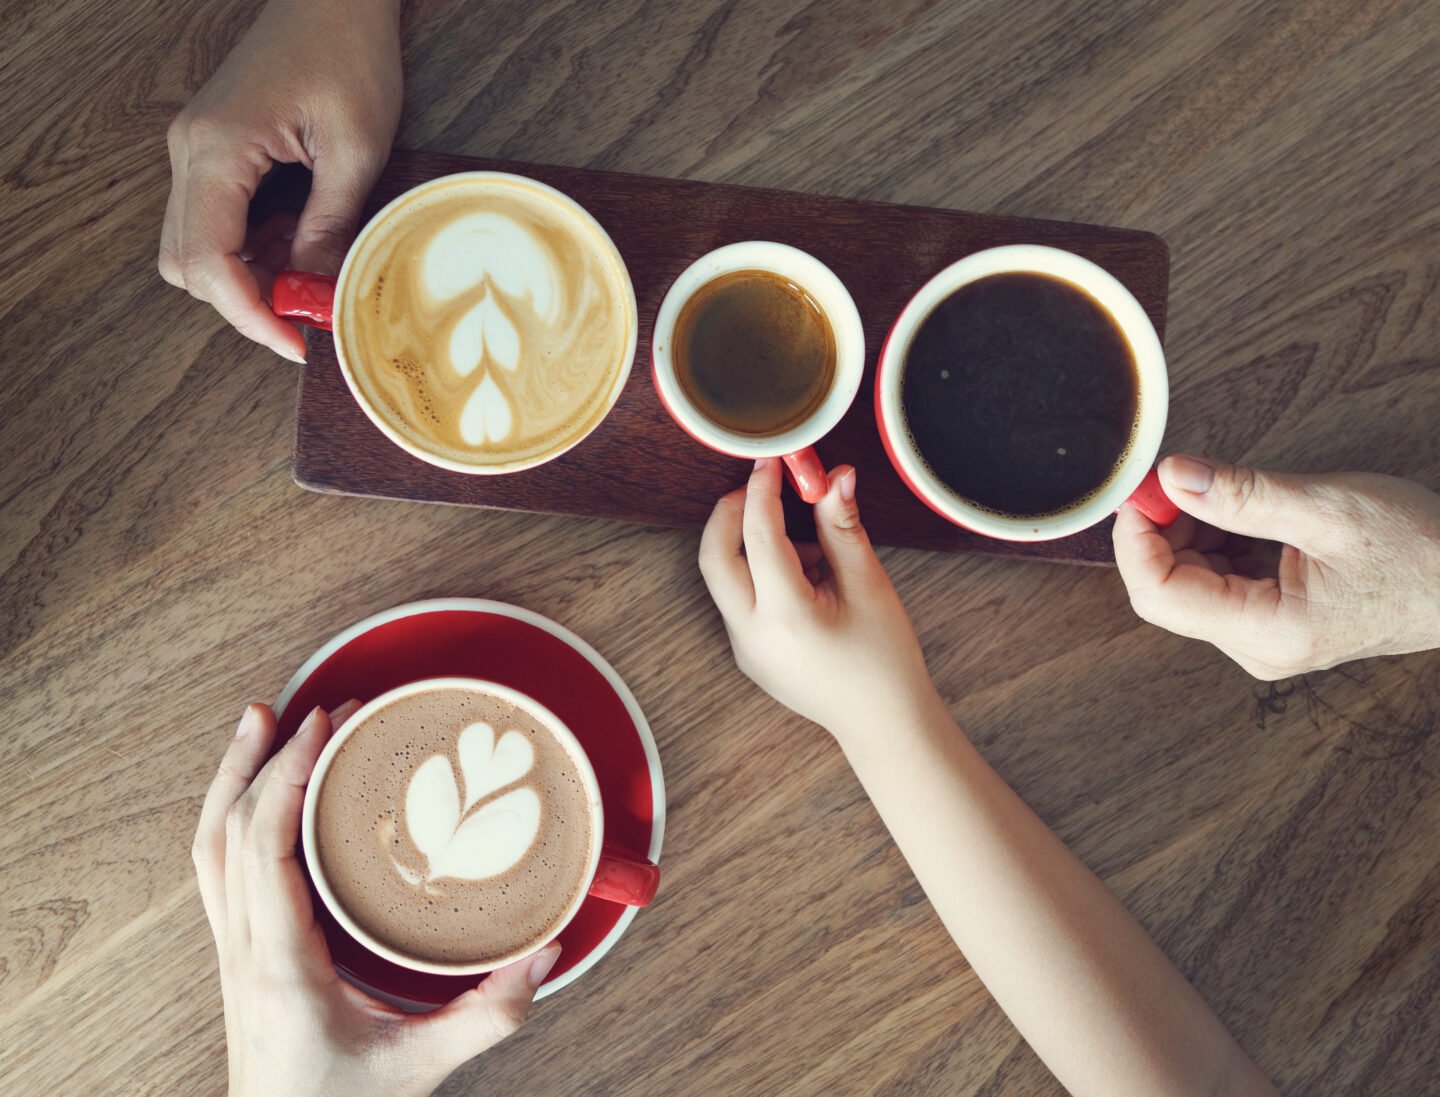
{"x": 160, "y": 569}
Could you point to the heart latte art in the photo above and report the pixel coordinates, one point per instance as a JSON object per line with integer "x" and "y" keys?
{"x": 454, "y": 827}
{"x": 456, "y": 841}
{"x": 490, "y": 323}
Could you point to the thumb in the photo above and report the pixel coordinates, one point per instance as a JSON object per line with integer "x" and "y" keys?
{"x": 327, "y": 224}
{"x": 480, "y": 1018}
{"x": 837, "y": 527}
{"x": 1273, "y": 506}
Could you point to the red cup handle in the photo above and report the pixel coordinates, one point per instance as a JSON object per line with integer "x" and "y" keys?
{"x": 624, "y": 878}
{"x": 807, "y": 474}
{"x": 1150, "y": 500}
{"x": 309, "y": 298}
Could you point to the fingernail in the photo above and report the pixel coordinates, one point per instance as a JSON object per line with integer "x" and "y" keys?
{"x": 286, "y": 352}
{"x": 847, "y": 487}
{"x": 764, "y": 463}
{"x": 1190, "y": 474}
{"x": 312, "y": 721}
{"x": 541, "y": 965}
{"x": 247, "y": 722}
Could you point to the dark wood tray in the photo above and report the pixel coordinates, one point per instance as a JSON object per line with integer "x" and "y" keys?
{"x": 638, "y": 465}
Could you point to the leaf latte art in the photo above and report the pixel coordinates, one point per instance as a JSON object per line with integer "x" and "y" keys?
{"x": 456, "y": 841}
{"x": 489, "y": 323}
{"x": 454, "y": 827}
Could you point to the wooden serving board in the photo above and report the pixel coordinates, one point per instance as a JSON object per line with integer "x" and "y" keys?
{"x": 638, "y": 465}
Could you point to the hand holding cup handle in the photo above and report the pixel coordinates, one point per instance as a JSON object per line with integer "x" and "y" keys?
{"x": 1151, "y": 500}
{"x": 807, "y": 474}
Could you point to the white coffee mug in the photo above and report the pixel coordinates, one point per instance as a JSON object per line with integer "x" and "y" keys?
{"x": 1134, "y": 479}
{"x": 610, "y": 873}
{"x": 794, "y": 446}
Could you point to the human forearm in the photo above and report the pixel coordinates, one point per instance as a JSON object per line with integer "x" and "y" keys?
{"x": 1078, "y": 976}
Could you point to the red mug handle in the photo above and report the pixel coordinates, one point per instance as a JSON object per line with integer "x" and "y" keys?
{"x": 309, "y": 298}
{"x": 1150, "y": 500}
{"x": 807, "y": 474}
{"x": 624, "y": 878}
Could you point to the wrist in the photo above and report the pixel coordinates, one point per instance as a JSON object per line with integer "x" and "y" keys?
{"x": 907, "y": 709}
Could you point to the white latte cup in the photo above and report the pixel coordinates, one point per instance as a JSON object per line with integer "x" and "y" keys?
{"x": 609, "y": 873}
{"x": 322, "y": 302}
{"x": 794, "y": 446}
{"x": 1133, "y": 480}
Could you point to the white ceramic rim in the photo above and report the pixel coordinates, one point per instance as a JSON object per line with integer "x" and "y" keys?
{"x": 560, "y": 632}
{"x": 1153, "y": 405}
{"x": 483, "y": 686}
{"x": 835, "y": 301}
{"x": 563, "y": 200}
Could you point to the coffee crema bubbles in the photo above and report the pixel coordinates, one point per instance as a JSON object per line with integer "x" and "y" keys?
{"x": 455, "y": 828}
{"x": 490, "y": 322}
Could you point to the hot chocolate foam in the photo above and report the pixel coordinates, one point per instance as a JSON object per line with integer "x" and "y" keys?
{"x": 490, "y": 325}
{"x": 454, "y": 827}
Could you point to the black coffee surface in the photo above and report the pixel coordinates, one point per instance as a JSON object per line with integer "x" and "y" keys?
{"x": 1020, "y": 393}
{"x": 754, "y": 353}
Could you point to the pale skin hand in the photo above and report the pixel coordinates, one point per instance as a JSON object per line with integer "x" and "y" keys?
{"x": 1356, "y": 572}
{"x": 293, "y": 1027}
{"x": 823, "y": 631}
{"x": 314, "y": 82}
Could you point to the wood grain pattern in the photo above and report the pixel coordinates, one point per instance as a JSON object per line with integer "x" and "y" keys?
{"x": 638, "y": 465}
{"x": 158, "y": 568}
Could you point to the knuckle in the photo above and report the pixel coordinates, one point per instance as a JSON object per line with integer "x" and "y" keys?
{"x": 1143, "y": 603}
{"x": 169, "y": 267}
{"x": 1246, "y": 486}
{"x": 195, "y": 273}
{"x": 236, "y": 820}
{"x": 199, "y": 130}
{"x": 508, "y": 1016}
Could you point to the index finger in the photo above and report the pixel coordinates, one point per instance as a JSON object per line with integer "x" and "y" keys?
{"x": 277, "y": 899}
{"x": 1184, "y": 597}
{"x": 723, "y": 567}
{"x": 774, "y": 564}
{"x": 217, "y": 202}
{"x": 244, "y": 756}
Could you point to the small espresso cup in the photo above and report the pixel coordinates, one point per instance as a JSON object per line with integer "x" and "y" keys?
{"x": 793, "y": 446}
{"x": 613, "y": 874}
{"x": 1133, "y": 480}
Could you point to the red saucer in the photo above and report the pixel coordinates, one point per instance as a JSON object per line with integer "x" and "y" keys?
{"x": 475, "y": 638}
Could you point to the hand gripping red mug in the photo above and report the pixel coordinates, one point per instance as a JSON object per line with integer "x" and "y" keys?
{"x": 490, "y": 281}
{"x": 1134, "y": 479}
{"x": 794, "y": 446}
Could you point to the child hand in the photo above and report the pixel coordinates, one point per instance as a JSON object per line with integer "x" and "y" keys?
{"x": 816, "y": 626}
{"x": 292, "y": 1025}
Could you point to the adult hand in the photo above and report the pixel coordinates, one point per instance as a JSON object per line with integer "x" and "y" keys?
{"x": 315, "y": 82}
{"x": 293, "y": 1026}
{"x": 1358, "y": 573}
{"x": 817, "y": 626}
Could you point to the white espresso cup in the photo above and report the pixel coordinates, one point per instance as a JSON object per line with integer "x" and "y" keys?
{"x": 1133, "y": 480}
{"x": 794, "y": 446}
{"x": 610, "y": 873}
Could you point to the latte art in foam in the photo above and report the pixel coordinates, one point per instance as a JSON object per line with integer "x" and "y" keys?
{"x": 454, "y": 840}
{"x": 454, "y": 826}
{"x": 492, "y": 323}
